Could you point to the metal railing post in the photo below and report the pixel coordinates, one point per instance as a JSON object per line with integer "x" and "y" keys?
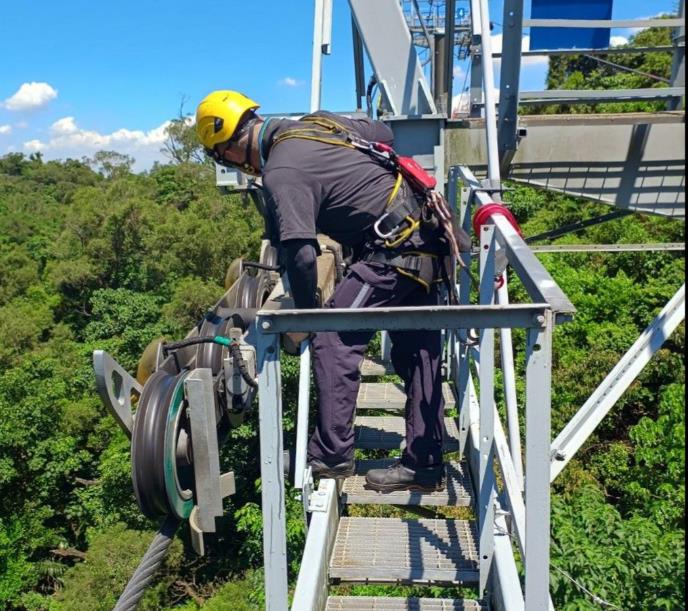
{"x": 507, "y": 356}
{"x": 302, "y": 414}
{"x": 461, "y": 349}
{"x": 486, "y": 485}
{"x": 272, "y": 473}
{"x": 538, "y": 418}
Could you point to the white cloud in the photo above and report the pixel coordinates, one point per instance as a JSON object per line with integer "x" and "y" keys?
{"x": 66, "y": 125}
{"x": 618, "y": 41}
{"x": 67, "y": 139}
{"x": 289, "y": 81}
{"x": 30, "y": 96}
{"x": 5, "y": 129}
{"x": 33, "y": 145}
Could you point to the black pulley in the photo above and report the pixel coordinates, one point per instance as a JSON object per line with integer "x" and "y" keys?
{"x": 210, "y": 355}
{"x": 247, "y": 291}
{"x": 161, "y": 463}
{"x": 269, "y": 256}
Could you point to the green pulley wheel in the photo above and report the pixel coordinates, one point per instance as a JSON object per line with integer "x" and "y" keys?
{"x": 161, "y": 455}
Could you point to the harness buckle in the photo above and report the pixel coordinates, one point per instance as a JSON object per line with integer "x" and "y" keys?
{"x": 379, "y": 233}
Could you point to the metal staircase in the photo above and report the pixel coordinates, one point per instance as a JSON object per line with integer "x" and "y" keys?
{"x": 412, "y": 551}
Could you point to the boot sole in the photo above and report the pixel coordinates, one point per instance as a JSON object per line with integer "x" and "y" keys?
{"x": 334, "y": 474}
{"x": 403, "y": 487}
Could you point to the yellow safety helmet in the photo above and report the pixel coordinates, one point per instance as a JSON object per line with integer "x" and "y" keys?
{"x": 218, "y": 116}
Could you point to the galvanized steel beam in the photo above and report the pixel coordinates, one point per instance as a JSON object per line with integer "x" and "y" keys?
{"x": 486, "y": 483}
{"x": 537, "y": 491}
{"x": 512, "y": 35}
{"x": 536, "y": 279}
{"x": 311, "y": 589}
{"x": 678, "y": 63}
{"x": 393, "y": 56}
{"x": 603, "y": 23}
{"x": 401, "y": 319}
{"x": 272, "y": 473}
{"x": 581, "y": 426}
{"x": 587, "y": 96}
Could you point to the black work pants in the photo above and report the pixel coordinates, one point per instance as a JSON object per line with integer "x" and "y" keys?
{"x": 416, "y": 357}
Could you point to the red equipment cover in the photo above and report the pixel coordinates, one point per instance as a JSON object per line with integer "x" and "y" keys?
{"x": 415, "y": 175}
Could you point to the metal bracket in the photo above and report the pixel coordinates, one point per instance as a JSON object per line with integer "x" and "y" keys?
{"x": 319, "y": 499}
{"x": 198, "y": 388}
{"x": 227, "y": 488}
{"x": 115, "y": 387}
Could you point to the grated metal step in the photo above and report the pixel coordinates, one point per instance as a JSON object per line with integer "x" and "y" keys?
{"x": 371, "y": 603}
{"x": 375, "y": 366}
{"x": 405, "y": 551}
{"x": 391, "y": 396}
{"x": 456, "y": 492}
{"x": 387, "y": 433}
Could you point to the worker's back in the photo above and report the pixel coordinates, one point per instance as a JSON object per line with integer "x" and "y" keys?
{"x": 313, "y": 186}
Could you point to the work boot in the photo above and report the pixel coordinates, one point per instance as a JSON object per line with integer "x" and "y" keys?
{"x": 400, "y": 477}
{"x": 321, "y": 470}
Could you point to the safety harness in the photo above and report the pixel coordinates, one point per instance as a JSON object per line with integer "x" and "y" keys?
{"x": 402, "y": 215}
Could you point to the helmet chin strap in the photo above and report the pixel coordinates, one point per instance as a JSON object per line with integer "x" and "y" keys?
{"x": 246, "y": 165}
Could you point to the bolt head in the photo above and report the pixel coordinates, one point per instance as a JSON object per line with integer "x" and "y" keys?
{"x": 266, "y": 324}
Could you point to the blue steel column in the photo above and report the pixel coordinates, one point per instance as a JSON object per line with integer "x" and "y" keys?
{"x": 272, "y": 473}
{"x": 538, "y": 419}
{"x": 486, "y": 487}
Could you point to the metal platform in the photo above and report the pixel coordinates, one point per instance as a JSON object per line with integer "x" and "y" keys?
{"x": 391, "y": 396}
{"x": 370, "y": 603}
{"x": 387, "y": 433}
{"x": 405, "y": 551}
{"x": 638, "y": 165}
{"x": 456, "y": 493}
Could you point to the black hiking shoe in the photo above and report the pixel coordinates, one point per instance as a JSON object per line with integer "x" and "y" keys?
{"x": 321, "y": 470}
{"x": 399, "y": 477}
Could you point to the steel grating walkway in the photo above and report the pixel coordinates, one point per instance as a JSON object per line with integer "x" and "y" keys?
{"x": 457, "y": 491}
{"x": 370, "y": 603}
{"x": 387, "y": 433}
{"x": 405, "y": 551}
{"x": 391, "y": 396}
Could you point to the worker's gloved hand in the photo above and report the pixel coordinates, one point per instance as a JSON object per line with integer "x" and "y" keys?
{"x": 292, "y": 341}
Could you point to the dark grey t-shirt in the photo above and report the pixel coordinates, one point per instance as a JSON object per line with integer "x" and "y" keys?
{"x": 313, "y": 187}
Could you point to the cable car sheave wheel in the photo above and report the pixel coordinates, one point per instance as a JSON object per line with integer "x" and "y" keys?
{"x": 161, "y": 456}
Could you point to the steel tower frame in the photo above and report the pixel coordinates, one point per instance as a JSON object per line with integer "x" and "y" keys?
{"x": 495, "y": 142}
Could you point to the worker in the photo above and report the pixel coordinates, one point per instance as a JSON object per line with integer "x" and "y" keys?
{"x": 313, "y": 181}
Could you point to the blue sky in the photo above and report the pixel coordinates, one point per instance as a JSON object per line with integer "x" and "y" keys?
{"x": 79, "y": 76}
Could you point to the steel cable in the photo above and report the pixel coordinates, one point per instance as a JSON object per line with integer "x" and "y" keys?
{"x": 148, "y": 566}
